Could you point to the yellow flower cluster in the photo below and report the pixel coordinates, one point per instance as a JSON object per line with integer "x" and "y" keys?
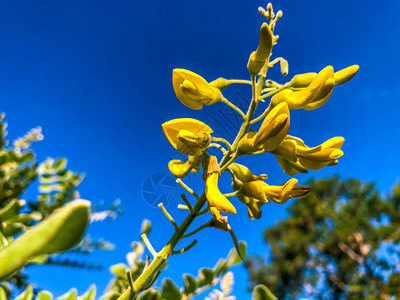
{"x": 306, "y": 91}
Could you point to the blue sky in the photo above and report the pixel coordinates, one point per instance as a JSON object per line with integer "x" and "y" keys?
{"x": 96, "y": 75}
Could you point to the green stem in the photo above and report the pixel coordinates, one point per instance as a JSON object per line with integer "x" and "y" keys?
{"x": 239, "y": 81}
{"x": 160, "y": 258}
{"x": 218, "y": 146}
{"x": 263, "y": 115}
{"x": 188, "y": 189}
{"x": 231, "y": 194}
{"x": 273, "y": 92}
{"x": 167, "y": 214}
{"x": 233, "y": 106}
{"x": 187, "y": 203}
{"x": 208, "y": 224}
{"x": 221, "y": 140}
{"x": 187, "y": 248}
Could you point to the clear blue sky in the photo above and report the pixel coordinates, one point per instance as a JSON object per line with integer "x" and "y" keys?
{"x": 96, "y": 75}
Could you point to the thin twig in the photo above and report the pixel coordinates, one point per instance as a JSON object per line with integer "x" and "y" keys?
{"x": 208, "y": 224}
{"x": 190, "y": 246}
{"x": 187, "y": 203}
{"x": 129, "y": 277}
{"x": 188, "y": 189}
{"x": 218, "y": 146}
{"x": 202, "y": 212}
{"x": 233, "y": 106}
{"x": 239, "y": 81}
{"x": 263, "y": 115}
{"x": 169, "y": 217}
{"x": 273, "y": 92}
{"x": 148, "y": 244}
{"x": 217, "y": 139}
{"x": 231, "y": 194}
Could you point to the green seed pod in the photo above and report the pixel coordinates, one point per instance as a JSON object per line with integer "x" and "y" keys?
{"x": 62, "y": 230}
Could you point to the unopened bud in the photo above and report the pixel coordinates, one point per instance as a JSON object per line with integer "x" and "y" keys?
{"x": 284, "y": 67}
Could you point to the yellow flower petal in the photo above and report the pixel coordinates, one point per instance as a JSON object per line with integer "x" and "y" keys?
{"x": 346, "y": 74}
{"x": 215, "y": 198}
{"x": 243, "y": 174}
{"x": 193, "y": 90}
{"x": 189, "y": 136}
{"x": 274, "y": 127}
{"x": 299, "y": 99}
{"x": 181, "y": 169}
{"x": 259, "y": 57}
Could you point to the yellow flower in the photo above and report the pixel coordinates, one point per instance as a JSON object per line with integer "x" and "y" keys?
{"x": 315, "y": 89}
{"x": 254, "y": 192}
{"x": 188, "y": 136}
{"x": 216, "y": 200}
{"x": 277, "y": 193}
{"x": 258, "y": 58}
{"x": 182, "y": 168}
{"x": 316, "y": 158}
{"x": 193, "y": 90}
{"x": 242, "y": 174}
{"x": 318, "y": 91}
{"x": 272, "y": 132}
{"x": 295, "y": 157}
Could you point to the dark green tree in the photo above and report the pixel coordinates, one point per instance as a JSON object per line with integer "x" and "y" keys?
{"x": 340, "y": 241}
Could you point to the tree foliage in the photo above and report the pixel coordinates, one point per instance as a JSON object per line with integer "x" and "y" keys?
{"x": 340, "y": 241}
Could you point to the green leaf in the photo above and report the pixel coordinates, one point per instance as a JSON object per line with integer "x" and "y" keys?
{"x": 205, "y": 276}
{"x": 221, "y": 267}
{"x": 237, "y": 255}
{"x": 11, "y": 209}
{"x": 13, "y": 229}
{"x": 150, "y": 294}
{"x": 170, "y": 291}
{"x": 62, "y": 230}
{"x": 261, "y": 292}
{"x": 190, "y": 283}
{"x": 44, "y": 295}
{"x": 119, "y": 270}
{"x": 60, "y": 164}
{"x": 90, "y": 294}
{"x": 70, "y": 295}
{"x": 26, "y": 295}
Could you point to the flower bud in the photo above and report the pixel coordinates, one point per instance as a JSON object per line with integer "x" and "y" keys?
{"x": 193, "y": 90}
{"x": 188, "y": 136}
{"x": 259, "y": 57}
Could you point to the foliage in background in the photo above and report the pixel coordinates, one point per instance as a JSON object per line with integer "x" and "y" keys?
{"x": 341, "y": 241}
{"x": 27, "y": 223}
